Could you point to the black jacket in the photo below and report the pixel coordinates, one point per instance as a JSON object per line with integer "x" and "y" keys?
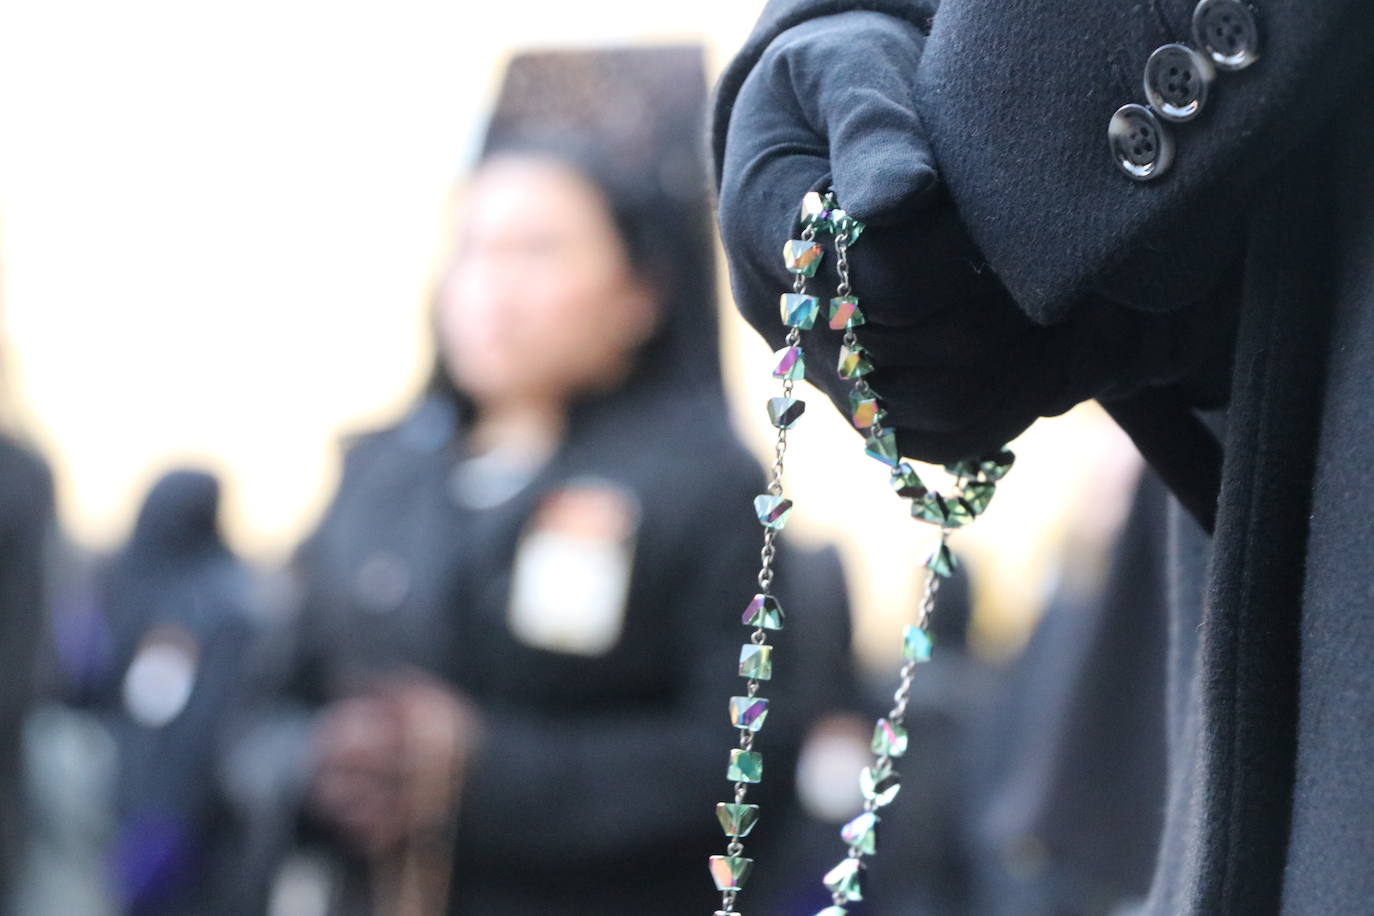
{"x": 1271, "y": 806}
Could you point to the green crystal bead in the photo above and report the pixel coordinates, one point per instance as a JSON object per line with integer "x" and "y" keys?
{"x": 889, "y": 739}
{"x": 964, "y": 469}
{"x": 845, "y": 313}
{"x": 960, "y": 513}
{"x": 916, "y": 644}
{"x": 862, "y": 833}
{"x": 883, "y": 446}
{"x": 790, "y": 363}
{"x": 854, "y": 362}
{"x": 815, "y": 211}
{"x": 906, "y": 483}
{"x": 802, "y": 257}
{"x": 833, "y": 911}
{"x": 845, "y": 226}
{"x": 755, "y": 661}
{"x": 748, "y": 713}
{"x": 979, "y": 495}
{"x": 737, "y": 820}
{"x": 785, "y": 412}
{"x": 764, "y": 611}
{"x": 931, "y": 507}
{"x": 799, "y": 310}
{"x": 846, "y": 879}
{"x": 772, "y": 510}
{"x": 730, "y": 872}
{"x": 864, "y": 409}
{"x": 942, "y": 561}
{"x": 745, "y": 766}
{"x": 879, "y": 785}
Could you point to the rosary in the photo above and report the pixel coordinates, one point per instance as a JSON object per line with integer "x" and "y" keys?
{"x": 975, "y": 482}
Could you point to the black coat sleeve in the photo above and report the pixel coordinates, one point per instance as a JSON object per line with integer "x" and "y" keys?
{"x": 1016, "y": 97}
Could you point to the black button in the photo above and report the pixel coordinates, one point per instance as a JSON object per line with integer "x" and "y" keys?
{"x": 1226, "y": 30}
{"x": 1176, "y": 82}
{"x": 1140, "y": 144}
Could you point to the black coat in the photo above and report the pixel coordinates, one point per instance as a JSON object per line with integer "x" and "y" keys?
{"x": 26, "y": 516}
{"x": 1271, "y": 200}
{"x": 594, "y": 788}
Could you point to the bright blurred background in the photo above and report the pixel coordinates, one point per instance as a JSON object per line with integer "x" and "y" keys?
{"x": 218, "y": 229}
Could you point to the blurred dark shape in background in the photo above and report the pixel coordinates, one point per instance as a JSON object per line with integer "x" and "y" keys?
{"x": 26, "y": 519}
{"x": 1070, "y": 800}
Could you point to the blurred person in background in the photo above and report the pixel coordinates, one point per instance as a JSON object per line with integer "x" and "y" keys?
{"x": 180, "y": 610}
{"x": 519, "y": 616}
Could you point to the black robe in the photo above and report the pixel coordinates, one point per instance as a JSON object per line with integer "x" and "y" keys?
{"x": 1271, "y": 797}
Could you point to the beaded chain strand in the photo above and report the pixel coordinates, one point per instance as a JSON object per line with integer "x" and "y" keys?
{"x": 975, "y": 484}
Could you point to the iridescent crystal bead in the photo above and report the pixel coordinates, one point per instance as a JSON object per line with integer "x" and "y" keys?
{"x": 854, "y": 362}
{"x": 790, "y": 363}
{"x": 748, "y": 713}
{"x": 785, "y": 412}
{"x": 846, "y": 226}
{"x": 833, "y": 911}
{"x": 931, "y": 507}
{"x": 864, "y": 409}
{"x": 815, "y": 211}
{"x": 764, "y": 611}
{"x": 802, "y": 257}
{"x": 737, "y": 820}
{"x": 799, "y": 310}
{"x": 964, "y": 469}
{"x": 772, "y": 510}
{"x": 879, "y": 785}
{"x": 958, "y": 512}
{"x": 862, "y": 833}
{"x": 846, "y": 879}
{"x": 906, "y": 483}
{"x": 979, "y": 495}
{"x": 745, "y": 766}
{"x": 889, "y": 739}
{"x": 916, "y": 644}
{"x": 942, "y": 561}
{"x": 730, "y": 872}
{"x": 756, "y": 661}
{"x": 883, "y": 446}
{"x": 845, "y": 313}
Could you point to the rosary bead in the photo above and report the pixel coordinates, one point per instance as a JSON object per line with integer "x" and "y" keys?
{"x": 748, "y": 713}
{"x": 845, "y": 226}
{"x": 745, "y": 766}
{"x": 854, "y": 362}
{"x": 941, "y": 561}
{"x": 862, "y": 833}
{"x": 889, "y": 739}
{"x": 799, "y": 310}
{"x": 906, "y": 483}
{"x": 931, "y": 507}
{"x": 764, "y": 611}
{"x": 815, "y": 211}
{"x": 785, "y": 412}
{"x": 846, "y": 879}
{"x": 845, "y": 313}
{"x": 883, "y": 446}
{"x": 730, "y": 872}
{"x": 916, "y": 644}
{"x": 772, "y": 510}
{"x": 880, "y": 785}
{"x": 756, "y": 661}
{"x": 737, "y": 820}
{"x": 864, "y": 409}
{"x": 790, "y": 363}
{"x": 802, "y": 257}
{"x": 979, "y": 495}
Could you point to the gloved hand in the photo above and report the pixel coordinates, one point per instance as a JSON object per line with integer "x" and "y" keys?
{"x": 961, "y": 369}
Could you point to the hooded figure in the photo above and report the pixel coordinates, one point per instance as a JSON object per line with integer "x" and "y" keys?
{"x": 180, "y": 608}
{"x": 519, "y": 621}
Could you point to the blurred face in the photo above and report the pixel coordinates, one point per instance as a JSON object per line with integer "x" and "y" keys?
{"x": 540, "y": 302}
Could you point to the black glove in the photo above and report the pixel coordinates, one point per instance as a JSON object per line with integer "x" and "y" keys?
{"x": 961, "y": 369}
